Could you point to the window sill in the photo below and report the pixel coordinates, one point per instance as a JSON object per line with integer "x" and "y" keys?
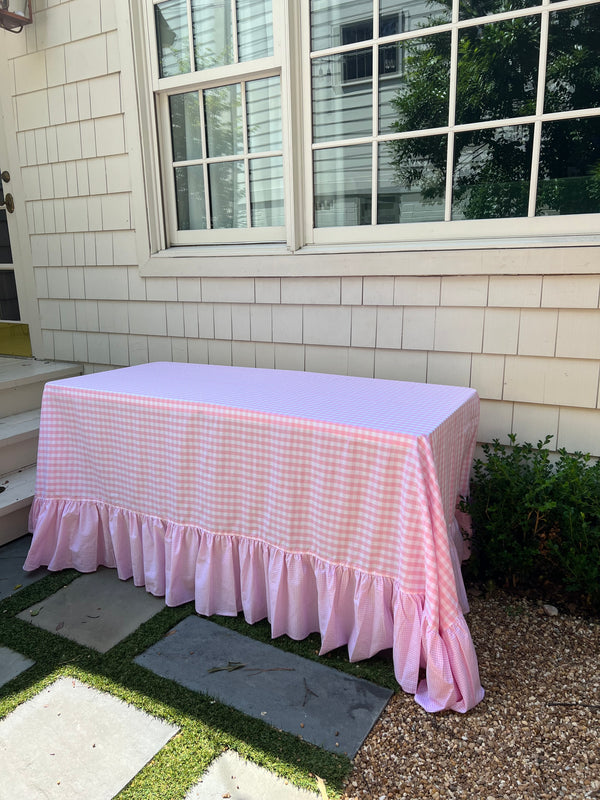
{"x": 515, "y": 256}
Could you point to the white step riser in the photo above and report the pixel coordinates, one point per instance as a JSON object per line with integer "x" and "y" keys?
{"x": 15, "y": 502}
{"x": 20, "y": 398}
{"x": 22, "y": 384}
{"x": 19, "y": 435}
{"x": 16, "y": 455}
{"x": 14, "y": 524}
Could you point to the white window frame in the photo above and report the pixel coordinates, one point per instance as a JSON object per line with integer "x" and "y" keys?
{"x": 302, "y": 244}
{"x": 163, "y": 88}
{"x": 449, "y": 230}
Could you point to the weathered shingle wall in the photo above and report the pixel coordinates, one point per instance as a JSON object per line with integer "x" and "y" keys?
{"x": 529, "y": 344}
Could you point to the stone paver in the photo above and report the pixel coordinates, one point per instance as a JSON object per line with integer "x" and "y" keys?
{"x": 234, "y": 777}
{"x": 12, "y": 664}
{"x": 12, "y": 576}
{"x": 73, "y": 741}
{"x": 97, "y": 610}
{"x": 322, "y": 705}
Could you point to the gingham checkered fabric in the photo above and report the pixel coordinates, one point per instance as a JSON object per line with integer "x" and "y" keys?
{"x": 353, "y": 473}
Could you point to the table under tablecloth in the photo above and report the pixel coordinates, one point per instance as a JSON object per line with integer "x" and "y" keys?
{"x": 325, "y": 503}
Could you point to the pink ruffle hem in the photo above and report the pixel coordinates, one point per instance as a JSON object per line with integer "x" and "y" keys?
{"x": 298, "y": 593}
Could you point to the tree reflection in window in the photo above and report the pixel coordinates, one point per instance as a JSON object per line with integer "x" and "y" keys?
{"x": 497, "y": 80}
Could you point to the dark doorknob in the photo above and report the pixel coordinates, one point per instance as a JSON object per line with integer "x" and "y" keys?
{"x": 8, "y": 204}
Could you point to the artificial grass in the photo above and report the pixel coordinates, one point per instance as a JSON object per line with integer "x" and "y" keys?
{"x": 207, "y": 727}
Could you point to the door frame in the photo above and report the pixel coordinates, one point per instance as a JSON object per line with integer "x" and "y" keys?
{"x": 17, "y": 221}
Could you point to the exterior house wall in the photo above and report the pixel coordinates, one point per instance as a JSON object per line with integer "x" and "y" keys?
{"x": 521, "y": 325}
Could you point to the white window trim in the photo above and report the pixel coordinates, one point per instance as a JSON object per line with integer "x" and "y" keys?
{"x": 531, "y": 226}
{"x": 236, "y": 73}
{"x": 358, "y": 252}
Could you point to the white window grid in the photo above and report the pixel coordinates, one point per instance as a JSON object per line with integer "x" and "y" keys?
{"x": 578, "y": 224}
{"x": 292, "y": 60}
{"x": 236, "y": 73}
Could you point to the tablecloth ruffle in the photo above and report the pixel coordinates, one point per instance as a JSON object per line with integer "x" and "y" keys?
{"x": 298, "y": 593}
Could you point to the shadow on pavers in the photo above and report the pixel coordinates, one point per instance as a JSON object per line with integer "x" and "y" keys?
{"x": 96, "y": 610}
{"x": 321, "y": 705}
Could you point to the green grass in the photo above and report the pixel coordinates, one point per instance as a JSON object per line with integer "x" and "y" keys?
{"x": 207, "y": 727}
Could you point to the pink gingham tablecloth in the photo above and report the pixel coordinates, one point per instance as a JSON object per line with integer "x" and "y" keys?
{"x": 322, "y": 502}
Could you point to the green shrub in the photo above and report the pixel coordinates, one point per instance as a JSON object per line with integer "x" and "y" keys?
{"x": 536, "y": 520}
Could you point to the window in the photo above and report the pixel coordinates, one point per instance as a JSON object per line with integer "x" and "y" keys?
{"x": 398, "y": 120}
{"x": 220, "y": 118}
{"x": 359, "y": 64}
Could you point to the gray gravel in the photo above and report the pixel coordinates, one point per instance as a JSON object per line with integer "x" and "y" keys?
{"x": 535, "y": 735}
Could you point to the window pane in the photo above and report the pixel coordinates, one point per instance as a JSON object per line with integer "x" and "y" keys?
{"x": 356, "y": 66}
{"x": 172, "y": 38}
{"x": 418, "y": 99}
{"x": 492, "y": 172}
{"x": 412, "y": 180}
{"x": 186, "y": 133}
{"x": 569, "y": 172}
{"x": 255, "y": 29}
{"x": 223, "y": 114}
{"x": 341, "y": 104}
{"x": 266, "y": 192}
{"x": 189, "y": 194}
{"x": 497, "y": 70}
{"x": 213, "y": 33}
{"x": 390, "y": 114}
{"x": 227, "y": 194}
{"x": 389, "y": 55}
{"x": 263, "y": 115}
{"x": 419, "y": 14}
{"x": 573, "y": 71}
{"x": 336, "y": 22}
{"x": 469, "y": 9}
{"x": 342, "y": 177}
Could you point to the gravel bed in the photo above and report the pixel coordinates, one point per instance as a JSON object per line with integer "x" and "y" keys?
{"x": 536, "y": 734}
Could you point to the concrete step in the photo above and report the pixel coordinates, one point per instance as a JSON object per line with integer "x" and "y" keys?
{"x": 16, "y": 495}
{"x": 19, "y": 440}
{"x": 22, "y": 382}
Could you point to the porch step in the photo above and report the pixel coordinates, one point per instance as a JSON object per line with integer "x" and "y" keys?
{"x": 22, "y": 383}
{"x": 16, "y": 495}
{"x": 19, "y": 440}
